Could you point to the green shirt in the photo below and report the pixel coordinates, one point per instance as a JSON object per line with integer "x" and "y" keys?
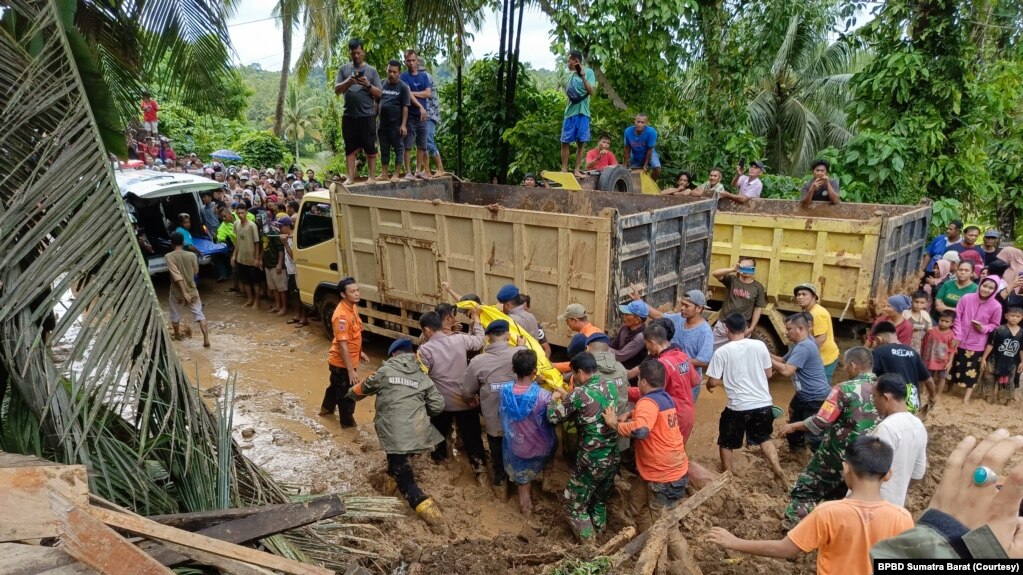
{"x": 575, "y": 84}
{"x": 950, "y": 292}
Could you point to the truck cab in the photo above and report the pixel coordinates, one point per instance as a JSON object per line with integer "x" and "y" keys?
{"x": 316, "y": 256}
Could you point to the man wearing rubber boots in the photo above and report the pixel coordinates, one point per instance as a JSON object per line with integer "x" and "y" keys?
{"x": 345, "y": 353}
{"x": 406, "y": 399}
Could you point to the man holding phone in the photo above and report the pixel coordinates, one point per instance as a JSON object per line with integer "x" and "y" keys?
{"x": 576, "y": 125}
{"x": 360, "y": 83}
{"x": 747, "y": 186}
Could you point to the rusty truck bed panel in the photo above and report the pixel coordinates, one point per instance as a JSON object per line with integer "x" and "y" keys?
{"x": 854, "y": 253}
{"x": 558, "y": 246}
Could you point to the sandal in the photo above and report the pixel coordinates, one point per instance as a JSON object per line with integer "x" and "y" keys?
{"x": 294, "y": 320}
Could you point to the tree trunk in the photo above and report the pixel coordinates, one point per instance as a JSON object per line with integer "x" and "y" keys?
{"x": 285, "y": 69}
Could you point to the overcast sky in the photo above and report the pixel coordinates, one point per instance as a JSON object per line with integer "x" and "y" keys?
{"x": 257, "y": 38}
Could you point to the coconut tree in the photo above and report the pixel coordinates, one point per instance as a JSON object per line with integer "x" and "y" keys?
{"x": 301, "y": 117}
{"x": 799, "y": 103}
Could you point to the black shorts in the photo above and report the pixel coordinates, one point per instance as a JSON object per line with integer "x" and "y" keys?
{"x": 250, "y": 274}
{"x": 292, "y": 284}
{"x": 757, "y": 425}
{"x": 360, "y": 133}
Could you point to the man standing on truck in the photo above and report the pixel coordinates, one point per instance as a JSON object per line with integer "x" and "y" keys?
{"x": 394, "y": 103}
{"x": 513, "y": 303}
{"x": 821, "y": 188}
{"x": 361, "y": 85}
{"x": 743, "y": 295}
{"x": 823, "y": 331}
{"x": 444, "y": 355}
{"x": 419, "y": 85}
{"x": 345, "y": 353}
{"x": 748, "y": 187}
{"x": 576, "y": 124}
{"x": 640, "y": 141}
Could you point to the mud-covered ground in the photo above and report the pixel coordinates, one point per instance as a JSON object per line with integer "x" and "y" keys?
{"x": 281, "y": 373}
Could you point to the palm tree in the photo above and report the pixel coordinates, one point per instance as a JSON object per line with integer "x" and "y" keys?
{"x": 323, "y": 24}
{"x": 301, "y": 117}
{"x": 799, "y": 104}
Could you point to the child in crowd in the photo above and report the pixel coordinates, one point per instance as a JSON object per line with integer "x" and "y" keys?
{"x": 841, "y": 531}
{"x": 920, "y": 318}
{"x": 1006, "y": 340}
{"x": 938, "y": 348}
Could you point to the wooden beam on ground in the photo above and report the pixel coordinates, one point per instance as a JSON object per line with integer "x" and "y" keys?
{"x": 24, "y": 559}
{"x": 613, "y": 543}
{"x": 87, "y": 539}
{"x": 203, "y": 519}
{"x": 25, "y": 483}
{"x": 223, "y": 563}
{"x": 672, "y": 517}
{"x": 153, "y": 530}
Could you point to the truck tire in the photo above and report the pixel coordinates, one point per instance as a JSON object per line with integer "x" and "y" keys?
{"x": 325, "y": 308}
{"x": 615, "y": 179}
{"x": 766, "y": 335}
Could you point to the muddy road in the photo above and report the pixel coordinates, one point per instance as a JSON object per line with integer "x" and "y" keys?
{"x": 281, "y": 373}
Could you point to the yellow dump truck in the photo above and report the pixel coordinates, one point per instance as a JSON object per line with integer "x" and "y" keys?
{"x": 856, "y": 254}
{"x": 400, "y": 241}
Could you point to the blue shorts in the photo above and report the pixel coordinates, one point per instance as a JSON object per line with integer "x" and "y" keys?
{"x": 655, "y": 162}
{"x": 431, "y": 138}
{"x": 415, "y": 137}
{"x": 575, "y": 129}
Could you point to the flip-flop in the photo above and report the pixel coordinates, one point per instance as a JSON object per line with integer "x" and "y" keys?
{"x": 294, "y": 320}
{"x": 301, "y": 324}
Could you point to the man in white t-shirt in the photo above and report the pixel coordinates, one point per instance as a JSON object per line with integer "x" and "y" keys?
{"x": 904, "y": 432}
{"x": 743, "y": 367}
{"x": 748, "y": 186}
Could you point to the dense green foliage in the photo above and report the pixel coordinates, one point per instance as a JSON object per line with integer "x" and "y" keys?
{"x": 262, "y": 149}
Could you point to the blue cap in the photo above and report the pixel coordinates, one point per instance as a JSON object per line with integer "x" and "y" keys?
{"x": 402, "y": 344}
{"x": 635, "y": 307}
{"x": 498, "y": 325}
{"x": 598, "y": 337}
{"x": 507, "y": 293}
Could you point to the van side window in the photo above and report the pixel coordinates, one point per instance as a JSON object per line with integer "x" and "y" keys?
{"x": 314, "y": 225}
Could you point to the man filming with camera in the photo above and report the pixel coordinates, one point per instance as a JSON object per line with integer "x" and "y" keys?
{"x": 576, "y": 125}
{"x": 360, "y": 83}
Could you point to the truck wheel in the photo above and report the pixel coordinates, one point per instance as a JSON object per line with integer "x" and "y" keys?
{"x": 767, "y": 336}
{"x": 327, "y": 305}
{"x": 615, "y": 179}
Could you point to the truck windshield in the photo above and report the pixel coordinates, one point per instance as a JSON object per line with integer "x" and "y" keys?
{"x": 314, "y": 225}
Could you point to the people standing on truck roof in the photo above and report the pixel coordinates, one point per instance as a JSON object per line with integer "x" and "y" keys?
{"x": 823, "y": 331}
{"x": 484, "y": 377}
{"x": 394, "y": 110}
{"x": 601, "y": 157}
{"x": 418, "y": 117}
{"x": 597, "y": 460}
{"x": 713, "y": 185}
{"x": 513, "y": 303}
{"x": 892, "y": 356}
{"x": 432, "y": 123}
{"x": 640, "y": 146}
{"x": 444, "y": 355}
{"x": 683, "y": 186}
{"x": 804, "y": 365}
{"x": 184, "y": 267}
{"x": 660, "y": 456}
{"x": 977, "y": 315}
{"x": 627, "y": 345}
{"x": 820, "y": 188}
{"x": 743, "y": 294}
{"x": 747, "y": 187}
{"x": 681, "y": 376}
{"x": 528, "y": 438}
{"x": 951, "y": 291}
{"x": 846, "y": 412}
{"x": 892, "y": 312}
{"x": 990, "y": 247}
{"x": 361, "y": 85}
{"x": 247, "y": 257}
{"x": 345, "y": 353}
{"x": 406, "y": 399}
{"x": 577, "y": 320}
{"x": 743, "y": 367}
{"x": 693, "y": 334}
{"x": 575, "y": 126}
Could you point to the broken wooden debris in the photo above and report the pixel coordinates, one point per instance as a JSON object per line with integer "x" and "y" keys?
{"x": 26, "y": 559}
{"x": 25, "y": 482}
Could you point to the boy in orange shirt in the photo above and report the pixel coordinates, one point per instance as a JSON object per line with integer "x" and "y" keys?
{"x": 841, "y": 531}
{"x": 660, "y": 453}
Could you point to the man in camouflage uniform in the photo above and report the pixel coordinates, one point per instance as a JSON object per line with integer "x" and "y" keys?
{"x": 847, "y": 413}
{"x": 597, "y": 459}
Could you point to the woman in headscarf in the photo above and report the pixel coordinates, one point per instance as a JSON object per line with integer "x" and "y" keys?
{"x": 977, "y": 315}
{"x": 892, "y": 312}
{"x": 1014, "y": 258}
{"x": 941, "y": 273}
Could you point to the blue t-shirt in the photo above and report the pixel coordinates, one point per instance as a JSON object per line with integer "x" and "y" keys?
{"x": 416, "y": 83}
{"x": 186, "y": 234}
{"x": 698, "y": 343}
{"x": 638, "y": 144}
{"x": 810, "y": 381}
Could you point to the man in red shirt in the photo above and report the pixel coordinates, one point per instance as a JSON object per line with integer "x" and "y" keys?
{"x": 149, "y": 110}
{"x": 660, "y": 453}
{"x": 680, "y": 376}
{"x": 601, "y": 157}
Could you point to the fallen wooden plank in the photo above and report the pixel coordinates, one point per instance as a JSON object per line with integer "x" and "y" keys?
{"x": 203, "y": 519}
{"x": 223, "y": 563}
{"x": 153, "y": 530}
{"x": 652, "y": 550}
{"x": 254, "y": 527}
{"x": 87, "y": 539}
{"x": 613, "y": 543}
{"x": 24, "y": 559}
{"x": 24, "y": 496}
{"x": 674, "y": 517}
